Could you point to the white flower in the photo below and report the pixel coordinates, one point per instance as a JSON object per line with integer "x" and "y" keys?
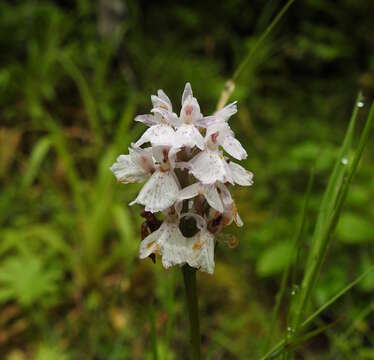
{"x": 218, "y": 126}
{"x": 168, "y": 241}
{"x": 201, "y": 249}
{"x": 219, "y": 116}
{"x": 184, "y": 150}
{"x": 135, "y": 167}
{"x": 210, "y": 193}
{"x": 225, "y": 137}
{"x": 161, "y": 122}
{"x": 230, "y": 212}
{"x": 158, "y": 135}
{"x": 240, "y": 175}
{"x": 175, "y": 249}
{"x": 187, "y": 133}
{"x": 161, "y": 190}
{"x": 210, "y": 166}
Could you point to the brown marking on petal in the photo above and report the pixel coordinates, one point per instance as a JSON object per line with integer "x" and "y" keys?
{"x": 146, "y": 165}
{"x": 219, "y": 190}
{"x": 164, "y": 106}
{"x": 215, "y": 224}
{"x": 214, "y": 137}
{"x": 199, "y": 204}
{"x": 196, "y": 245}
{"x": 235, "y": 213}
{"x": 157, "y": 249}
{"x": 150, "y": 244}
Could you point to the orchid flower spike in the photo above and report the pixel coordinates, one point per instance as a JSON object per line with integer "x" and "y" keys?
{"x": 187, "y": 177}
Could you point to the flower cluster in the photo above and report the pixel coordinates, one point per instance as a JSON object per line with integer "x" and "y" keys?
{"x": 187, "y": 177}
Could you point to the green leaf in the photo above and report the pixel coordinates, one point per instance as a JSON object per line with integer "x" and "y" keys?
{"x": 274, "y": 259}
{"x": 353, "y": 229}
{"x": 38, "y": 154}
{"x": 24, "y": 278}
{"x": 48, "y": 352}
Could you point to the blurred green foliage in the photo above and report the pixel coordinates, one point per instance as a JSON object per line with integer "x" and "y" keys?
{"x": 72, "y": 77}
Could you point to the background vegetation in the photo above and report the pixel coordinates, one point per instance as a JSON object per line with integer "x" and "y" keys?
{"x": 72, "y": 76}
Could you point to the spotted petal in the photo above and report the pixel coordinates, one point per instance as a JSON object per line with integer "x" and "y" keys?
{"x": 161, "y": 134}
{"x": 188, "y": 135}
{"x": 209, "y": 166}
{"x": 159, "y": 192}
{"x": 234, "y": 148}
{"x": 201, "y": 254}
{"x": 169, "y": 242}
{"x": 240, "y": 175}
{"x": 135, "y": 167}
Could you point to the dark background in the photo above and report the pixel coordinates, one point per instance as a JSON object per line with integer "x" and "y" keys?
{"x": 72, "y": 77}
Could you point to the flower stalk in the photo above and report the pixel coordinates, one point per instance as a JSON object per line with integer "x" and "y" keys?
{"x": 189, "y": 276}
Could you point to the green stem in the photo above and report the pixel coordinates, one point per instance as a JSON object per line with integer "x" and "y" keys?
{"x": 189, "y": 276}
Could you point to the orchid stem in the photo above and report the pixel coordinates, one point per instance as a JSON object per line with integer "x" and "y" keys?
{"x": 189, "y": 276}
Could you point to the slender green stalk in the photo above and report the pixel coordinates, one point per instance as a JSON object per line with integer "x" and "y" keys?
{"x": 189, "y": 276}
{"x": 295, "y": 255}
{"x": 263, "y": 36}
{"x": 337, "y": 191}
{"x": 230, "y": 84}
{"x": 276, "y": 349}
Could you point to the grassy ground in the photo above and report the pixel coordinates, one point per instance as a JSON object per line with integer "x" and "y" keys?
{"x": 72, "y": 77}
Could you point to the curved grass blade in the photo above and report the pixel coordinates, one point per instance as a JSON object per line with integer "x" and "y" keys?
{"x": 330, "y": 212}
{"x": 230, "y": 84}
{"x": 296, "y": 250}
{"x": 281, "y": 345}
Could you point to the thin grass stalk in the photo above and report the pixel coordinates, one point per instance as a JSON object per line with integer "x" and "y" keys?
{"x": 323, "y": 235}
{"x": 230, "y": 84}
{"x": 295, "y": 248}
{"x": 276, "y": 349}
{"x": 87, "y": 97}
{"x": 327, "y": 234}
{"x": 189, "y": 276}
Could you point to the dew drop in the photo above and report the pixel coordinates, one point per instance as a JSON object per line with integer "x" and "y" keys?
{"x": 360, "y": 104}
{"x": 295, "y": 289}
{"x": 344, "y": 161}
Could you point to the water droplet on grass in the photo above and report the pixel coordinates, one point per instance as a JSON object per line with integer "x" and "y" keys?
{"x": 295, "y": 289}
{"x": 360, "y": 104}
{"x": 344, "y": 161}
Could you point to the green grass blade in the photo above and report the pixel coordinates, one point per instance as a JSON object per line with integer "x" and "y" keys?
{"x": 87, "y": 97}
{"x": 286, "y": 272}
{"x": 341, "y": 179}
{"x": 336, "y": 297}
{"x": 330, "y": 195}
{"x": 278, "y": 347}
{"x": 59, "y": 143}
{"x": 230, "y": 84}
{"x": 261, "y": 39}
{"x": 39, "y": 152}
